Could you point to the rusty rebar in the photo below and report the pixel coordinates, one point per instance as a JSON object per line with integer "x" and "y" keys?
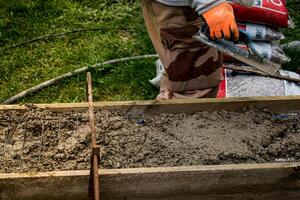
{"x": 94, "y": 190}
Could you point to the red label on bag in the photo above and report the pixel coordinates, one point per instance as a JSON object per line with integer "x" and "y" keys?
{"x": 222, "y": 86}
{"x": 276, "y": 4}
{"x": 271, "y": 12}
{"x": 272, "y": 5}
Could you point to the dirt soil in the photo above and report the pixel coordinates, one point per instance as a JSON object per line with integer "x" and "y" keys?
{"x": 37, "y": 140}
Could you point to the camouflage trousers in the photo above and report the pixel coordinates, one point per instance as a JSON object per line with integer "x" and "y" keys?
{"x": 192, "y": 69}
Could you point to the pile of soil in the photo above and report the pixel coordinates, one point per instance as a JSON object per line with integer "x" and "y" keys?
{"x": 39, "y": 140}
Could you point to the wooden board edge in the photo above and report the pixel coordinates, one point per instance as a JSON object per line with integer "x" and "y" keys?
{"x": 254, "y": 181}
{"x": 200, "y": 168}
{"x": 107, "y": 104}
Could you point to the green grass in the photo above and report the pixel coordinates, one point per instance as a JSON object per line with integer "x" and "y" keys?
{"x": 124, "y": 35}
{"x": 33, "y": 63}
{"x": 293, "y": 34}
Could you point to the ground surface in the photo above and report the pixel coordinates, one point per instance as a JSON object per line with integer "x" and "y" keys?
{"x": 122, "y": 33}
{"x": 42, "y": 141}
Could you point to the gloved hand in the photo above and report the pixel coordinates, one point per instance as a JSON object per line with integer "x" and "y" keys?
{"x": 221, "y": 22}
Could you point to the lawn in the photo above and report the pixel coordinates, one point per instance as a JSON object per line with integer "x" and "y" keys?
{"x": 113, "y": 29}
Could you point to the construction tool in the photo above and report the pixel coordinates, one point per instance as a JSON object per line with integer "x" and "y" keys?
{"x": 247, "y": 55}
{"x": 94, "y": 191}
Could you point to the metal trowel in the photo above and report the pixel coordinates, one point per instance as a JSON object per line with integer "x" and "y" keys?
{"x": 249, "y": 55}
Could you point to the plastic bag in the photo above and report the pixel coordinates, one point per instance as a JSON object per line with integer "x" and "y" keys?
{"x": 261, "y": 32}
{"x": 270, "y": 51}
{"x": 159, "y": 73}
{"x": 295, "y": 45}
{"x": 267, "y": 50}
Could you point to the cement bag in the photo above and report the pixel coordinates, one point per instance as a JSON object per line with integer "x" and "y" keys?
{"x": 270, "y": 51}
{"x": 237, "y": 84}
{"x": 260, "y": 32}
{"x": 271, "y": 12}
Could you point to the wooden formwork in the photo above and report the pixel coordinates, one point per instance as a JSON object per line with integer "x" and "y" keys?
{"x": 243, "y": 181}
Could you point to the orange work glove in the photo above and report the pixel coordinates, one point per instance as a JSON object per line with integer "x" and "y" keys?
{"x": 221, "y": 22}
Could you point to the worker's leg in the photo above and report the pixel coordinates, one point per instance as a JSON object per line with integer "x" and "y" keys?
{"x": 192, "y": 69}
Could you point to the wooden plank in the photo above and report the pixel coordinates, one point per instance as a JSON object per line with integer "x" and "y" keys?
{"x": 274, "y": 104}
{"x": 245, "y": 181}
{"x": 256, "y": 181}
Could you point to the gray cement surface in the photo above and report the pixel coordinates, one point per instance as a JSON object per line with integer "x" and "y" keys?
{"x": 39, "y": 140}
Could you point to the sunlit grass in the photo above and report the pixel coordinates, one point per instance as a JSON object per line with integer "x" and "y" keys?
{"x": 124, "y": 34}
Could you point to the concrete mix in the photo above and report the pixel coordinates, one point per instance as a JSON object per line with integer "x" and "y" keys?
{"x": 38, "y": 140}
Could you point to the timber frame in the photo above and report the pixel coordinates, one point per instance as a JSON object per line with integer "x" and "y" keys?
{"x": 243, "y": 181}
